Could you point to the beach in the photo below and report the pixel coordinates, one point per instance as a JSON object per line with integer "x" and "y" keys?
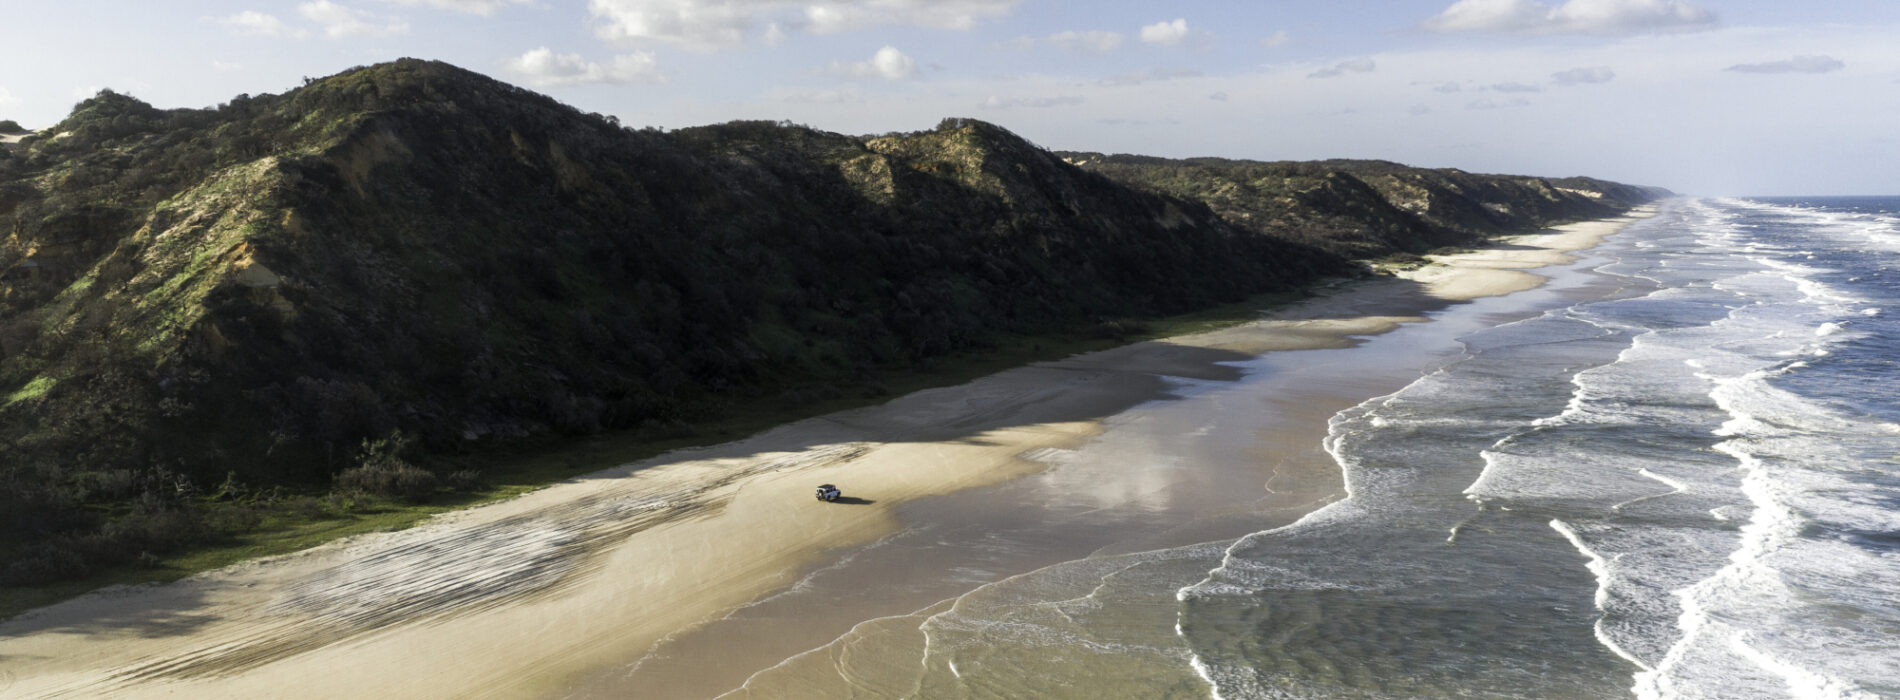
{"x": 711, "y": 570}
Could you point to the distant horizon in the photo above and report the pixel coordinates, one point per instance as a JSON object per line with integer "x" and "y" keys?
{"x": 1695, "y": 96}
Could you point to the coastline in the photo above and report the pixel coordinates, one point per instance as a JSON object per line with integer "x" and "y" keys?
{"x": 571, "y": 582}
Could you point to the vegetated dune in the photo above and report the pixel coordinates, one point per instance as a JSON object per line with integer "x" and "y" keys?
{"x": 582, "y": 589}
{"x": 244, "y": 295}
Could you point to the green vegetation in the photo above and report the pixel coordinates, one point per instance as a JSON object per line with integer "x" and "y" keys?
{"x": 33, "y": 389}
{"x": 400, "y": 288}
{"x": 8, "y": 126}
{"x": 297, "y": 519}
{"x": 1369, "y": 209}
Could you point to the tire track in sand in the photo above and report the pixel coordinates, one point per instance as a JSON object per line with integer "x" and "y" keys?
{"x": 436, "y": 570}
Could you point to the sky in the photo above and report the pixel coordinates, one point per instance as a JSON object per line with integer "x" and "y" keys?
{"x": 1712, "y": 97}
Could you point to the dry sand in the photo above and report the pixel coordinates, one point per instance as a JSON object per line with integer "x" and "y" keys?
{"x": 529, "y": 597}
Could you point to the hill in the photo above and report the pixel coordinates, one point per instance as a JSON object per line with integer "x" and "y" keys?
{"x": 1364, "y": 209}
{"x": 356, "y": 281}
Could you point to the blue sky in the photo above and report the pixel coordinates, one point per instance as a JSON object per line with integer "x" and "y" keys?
{"x": 1704, "y": 96}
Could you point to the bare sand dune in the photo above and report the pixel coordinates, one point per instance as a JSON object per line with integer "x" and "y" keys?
{"x": 527, "y": 597}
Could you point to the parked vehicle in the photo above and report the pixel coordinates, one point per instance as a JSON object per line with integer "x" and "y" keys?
{"x": 828, "y": 493}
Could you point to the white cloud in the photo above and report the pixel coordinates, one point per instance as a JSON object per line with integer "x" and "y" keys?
{"x": 226, "y": 66}
{"x": 995, "y": 102}
{"x": 1165, "y": 33}
{"x": 1357, "y": 65}
{"x": 7, "y": 98}
{"x": 1571, "y": 17}
{"x": 843, "y": 15}
{"x": 1095, "y": 41}
{"x": 1584, "y": 76}
{"x": 1276, "y": 39}
{"x": 1488, "y": 15}
{"x": 1798, "y": 64}
{"x": 1515, "y": 87}
{"x": 340, "y": 22}
{"x": 1098, "y": 41}
{"x": 1625, "y": 16}
{"x": 888, "y": 63}
{"x": 1419, "y": 110}
{"x": 892, "y": 64}
{"x": 253, "y": 23}
{"x": 1488, "y": 104}
{"x": 688, "y": 22}
{"x": 1148, "y": 76}
{"x": 1218, "y": 97}
{"x": 544, "y": 68}
{"x": 1684, "y": 99}
{"x": 474, "y": 7}
{"x": 1448, "y": 87}
{"x": 714, "y": 24}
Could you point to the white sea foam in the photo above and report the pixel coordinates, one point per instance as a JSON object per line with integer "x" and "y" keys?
{"x": 1727, "y": 573}
{"x": 1749, "y": 617}
{"x": 1599, "y": 567}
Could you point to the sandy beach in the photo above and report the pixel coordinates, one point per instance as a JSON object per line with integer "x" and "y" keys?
{"x": 708, "y": 570}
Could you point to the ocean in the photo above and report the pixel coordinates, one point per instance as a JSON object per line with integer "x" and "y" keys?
{"x": 1687, "y": 489}
{"x": 1673, "y": 471}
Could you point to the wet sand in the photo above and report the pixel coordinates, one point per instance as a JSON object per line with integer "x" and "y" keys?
{"x": 688, "y": 574}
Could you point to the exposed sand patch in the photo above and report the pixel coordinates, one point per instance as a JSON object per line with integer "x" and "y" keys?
{"x": 516, "y": 599}
{"x": 1499, "y": 269}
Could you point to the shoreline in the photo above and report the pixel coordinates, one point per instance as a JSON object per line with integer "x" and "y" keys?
{"x": 558, "y": 586}
{"x": 805, "y": 638}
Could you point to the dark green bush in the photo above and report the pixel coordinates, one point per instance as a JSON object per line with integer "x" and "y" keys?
{"x": 158, "y": 528}
{"x": 232, "y": 518}
{"x": 43, "y": 563}
{"x": 342, "y": 503}
{"x": 1117, "y": 329}
{"x": 306, "y": 507}
{"x": 406, "y": 482}
{"x": 465, "y": 481}
{"x": 383, "y": 472}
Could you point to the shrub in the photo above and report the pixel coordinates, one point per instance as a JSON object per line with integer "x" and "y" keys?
{"x": 383, "y": 472}
{"x": 402, "y": 481}
{"x": 465, "y": 481}
{"x": 1117, "y": 329}
{"x": 156, "y": 529}
{"x": 305, "y": 507}
{"x": 233, "y": 517}
{"x": 43, "y": 563}
{"x": 343, "y": 503}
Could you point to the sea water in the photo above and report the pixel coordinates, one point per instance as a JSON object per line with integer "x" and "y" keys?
{"x": 1673, "y": 472}
{"x": 1687, "y": 490}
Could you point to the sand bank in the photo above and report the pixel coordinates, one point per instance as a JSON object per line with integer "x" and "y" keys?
{"x": 561, "y": 589}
